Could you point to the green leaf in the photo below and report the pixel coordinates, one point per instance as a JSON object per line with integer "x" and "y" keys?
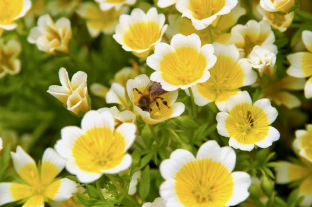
{"x": 295, "y": 38}
{"x": 103, "y": 204}
{"x": 92, "y": 191}
{"x": 136, "y": 158}
{"x": 293, "y": 197}
{"x": 267, "y": 186}
{"x": 279, "y": 202}
{"x": 146, "y": 159}
{"x": 145, "y": 183}
{"x": 85, "y": 200}
{"x": 262, "y": 154}
{"x": 188, "y": 122}
{"x": 147, "y": 136}
{"x": 73, "y": 178}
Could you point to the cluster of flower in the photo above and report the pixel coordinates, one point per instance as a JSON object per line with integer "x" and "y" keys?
{"x": 193, "y": 52}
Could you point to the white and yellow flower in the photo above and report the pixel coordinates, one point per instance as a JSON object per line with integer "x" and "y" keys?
{"x": 74, "y": 93}
{"x": 120, "y": 117}
{"x": 124, "y": 75}
{"x": 245, "y": 37}
{"x": 183, "y": 63}
{"x": 50, "y": 37}
{"x": 301, "y": 63}
{"x": 165, "y": 3}
{"x": 226, "y": 77}
{"x": 263, "y": 58}
{"x": 99, "y": 90}
{"x": 203, "y": 12}
{"x": 280, "y": 94}
{"x": 206, "y": 180}
{"x": 248, "y": 124}
{"x": 117, "y": 94}
{"x": 277, "y": 5}
{"x": 117, "y": 4}
{"x": 166, "y": 109}
{"x": 291, "y": 172}
{"x": 97, "y": 147}
{"x": 38, "y": 184}
{"x": 139, "y": 32}
{"x": 303, "y": 144}
{"x": 278, "y": 21}
{"x": 97, "y": 20}
{"x": 9, "y": 63}
{"x": 10, "y": 11}
{"x": 158, "y": 202}
{"x": 219, "y": 31}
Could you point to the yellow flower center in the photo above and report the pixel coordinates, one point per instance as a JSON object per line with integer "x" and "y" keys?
{"x": 9, "y": 10}
{"x": 246, "y": 123}
{"x": 204, "y": 183}
{"x": 276, "y": 19}
{"x": 183, "y": 67}
{"x": 142, "y": 35}
{"x": 99, "y": 149}
{"x": 226, "y": 77}
{"x": 203, "y": 9}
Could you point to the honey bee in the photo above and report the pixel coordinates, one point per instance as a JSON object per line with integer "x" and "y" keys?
{"x": 150, "y": 94}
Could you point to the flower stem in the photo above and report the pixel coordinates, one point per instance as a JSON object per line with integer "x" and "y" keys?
{"x": 175, "y": 135}
{"x": 193, "y": 103}
{"x": 99, "y": 190}
{"x": 210, "y": 34}
{"x": 120, "y": 189}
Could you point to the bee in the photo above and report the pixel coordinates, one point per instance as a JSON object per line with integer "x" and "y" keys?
{"x": 151, "y": 94}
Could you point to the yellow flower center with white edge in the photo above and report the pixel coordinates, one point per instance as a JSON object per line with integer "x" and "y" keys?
{"x": 38, "y": 186}
{"x": 98, "y": 149}
{"x": 204, "y": 182}
{"x": 276, "y": 19}
{"x": 226, "y": 76}
{"x": 183, "y": 66}
{"x": 9, "y": 10}
{"x": 247, "y": 124}
{"x": 203, "y": 9}
{"x": 306, "y": 143}
{"x": 163, "y": 112}
{"x": 142, "y": 35}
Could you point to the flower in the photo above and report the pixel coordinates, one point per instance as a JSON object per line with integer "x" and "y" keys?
{"x": 157, "y": 109}
{"x": 280, "y": 95}
{"x": 263, "y": 58}
{"x": 245, "y": 37}
{"x": 219, "y": 31}
{"x": 248, "y": 124}
{"x": 99, "y": 90}
{"x": 9, "y": 64}
{"x": 62, "y": 7}
{"x": 226, "y": 77}
{"x": 12, "y": 10}
{"x": 120, "y": 117}
{"x": 97, "y": 147}
{"x": 117, "y": 94}
{"x": 139, "y": 32}
{"x": 301, "y": 62}
{"x": 277, "y": 21}
{"x": 158, "y": 202}
{"x": 303, "y": 143}
{"x": 277, "y": 5}
{"x": 302, "y": 173}
{"x": 50, "y": 37}
{"x": 133, "y": 183}
{"x": 97, "y": 20}
{"x": 117, "y": 4}
{"x": 181, "y": 64}
{"x": 74, "y": 93}
{"x": 165, "y": 3}
{"x": 206, "y": 180}
{"x": 38, "y": 184}
{"x": 203, "y": 12}
{"x": 124, "y": 75}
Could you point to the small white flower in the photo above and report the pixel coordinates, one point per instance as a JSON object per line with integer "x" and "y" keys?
{"x": 49, "y": 36}
{"x": 133, "y": 183}
{"x": 263, "y": 58}
{"x": 117, "y": 4}
{"x": 9, "y": 63}
{"x": 74, "y": 93}
{"x": 165, "y": 3}
{"x": 158, "y": 202}
{"x": 277, "y": 5}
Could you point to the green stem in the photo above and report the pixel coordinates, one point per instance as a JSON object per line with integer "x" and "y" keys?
{"x": 193, "y": 103}
{"x": 175, "y": 135}
{"x": 120, "y": 189}
{"x": 210, "y": 34}
{"x": 99, "y": 190}
{"x": 153, "y": 133}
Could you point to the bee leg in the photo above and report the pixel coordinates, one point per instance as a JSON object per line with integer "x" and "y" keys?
{"x": 157, "y": 104}
{"x": 164, "y": 101}
{"x": 137, "y": 90}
